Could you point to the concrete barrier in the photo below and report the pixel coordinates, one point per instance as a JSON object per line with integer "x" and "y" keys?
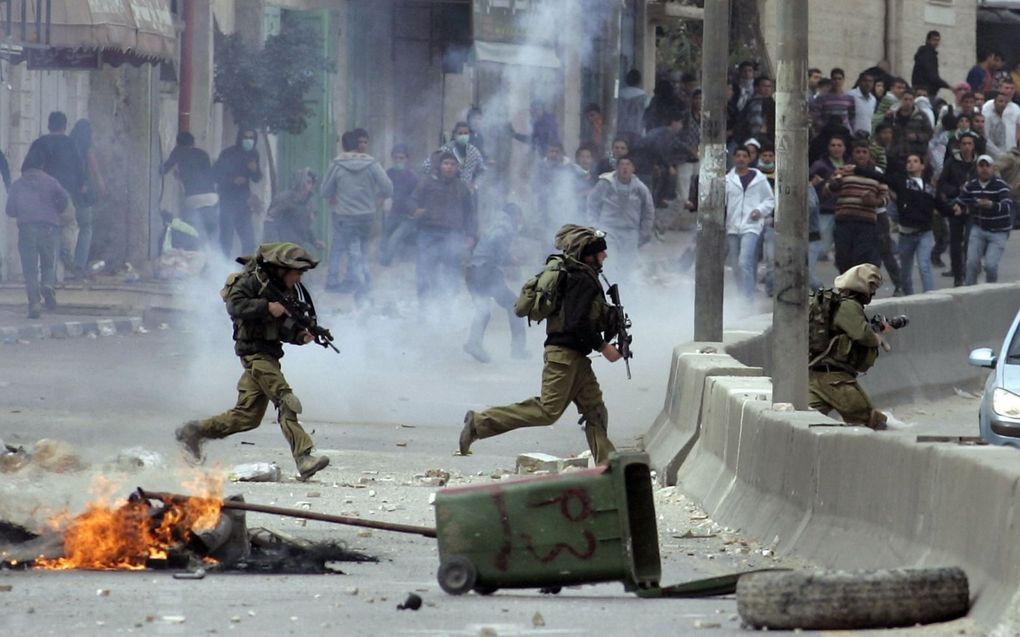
{"x": 847, "y": 497}
{"x": 676, "y": 428}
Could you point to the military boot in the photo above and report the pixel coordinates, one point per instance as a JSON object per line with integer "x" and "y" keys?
{"x": 308, "y": 465}
{"x": 191, "y": 439}
{"x": 467, "y": 434}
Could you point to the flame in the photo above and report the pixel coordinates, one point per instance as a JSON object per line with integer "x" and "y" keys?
{"x": 125, "y": 537}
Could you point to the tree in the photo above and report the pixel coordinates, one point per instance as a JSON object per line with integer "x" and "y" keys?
{"x": 266, "y": 88}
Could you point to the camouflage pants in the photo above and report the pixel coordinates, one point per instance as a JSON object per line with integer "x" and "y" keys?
{"x": 840, "y": 391}
{"x": 261, "y": 382}
{"x": 567, "y": 377}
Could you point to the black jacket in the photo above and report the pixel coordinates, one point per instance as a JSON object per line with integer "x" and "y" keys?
{"x": 256, "y": 331}
{"x": 232, "y": 163}
{"x": 585, "y": 313}
{"x": 193, "y": 168}
{"x": 915, "y": 204}
{"x": 56, "y": 156}
{"x": 926, "y": 70}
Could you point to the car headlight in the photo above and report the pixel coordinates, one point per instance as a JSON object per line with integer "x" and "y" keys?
{"x": 1005, "y": 403}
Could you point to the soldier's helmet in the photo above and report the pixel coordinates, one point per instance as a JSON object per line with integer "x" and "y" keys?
{"x": 290, "y": 256}
{"x": 579, "y": 241}
{"x": 865, "y": 278}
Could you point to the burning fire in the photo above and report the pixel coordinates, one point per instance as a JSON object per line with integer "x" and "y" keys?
{"x": 126, "y": 537}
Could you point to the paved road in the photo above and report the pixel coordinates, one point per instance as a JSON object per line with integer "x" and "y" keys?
{"x": 386, "y": 410}
{"x": 382, "y": 425}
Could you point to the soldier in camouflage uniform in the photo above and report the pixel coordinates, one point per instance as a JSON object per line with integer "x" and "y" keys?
{"x": 852, "y": 350}
{"x": 260, "y": 329}
{"x": 580, "y": 326}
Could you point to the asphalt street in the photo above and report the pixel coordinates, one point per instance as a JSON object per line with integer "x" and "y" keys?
{"x": 384, "y": 424}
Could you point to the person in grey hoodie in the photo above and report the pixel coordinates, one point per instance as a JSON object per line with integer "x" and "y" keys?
{"x": 631, "y": 105}
{"x": 622, "y": 206}
{"x": 354, "y": 186}
{"x": 37, "y": 202}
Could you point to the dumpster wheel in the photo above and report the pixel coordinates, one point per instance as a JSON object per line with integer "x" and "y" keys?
{"x": 457, "y": 575}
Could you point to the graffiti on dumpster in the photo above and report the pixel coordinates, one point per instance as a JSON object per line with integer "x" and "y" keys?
{"x": 574, "y": 505}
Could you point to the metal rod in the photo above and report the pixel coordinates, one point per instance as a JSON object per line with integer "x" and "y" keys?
{"x": 296, "y": 513}
{"x": 711, "y": 247}
{"x": 790, "y": 303}
{"x": 49, "y": 19}
{"x": 24, "y": 20}
{"x": 38, "y": 21}
{"x": 10, "y": 16}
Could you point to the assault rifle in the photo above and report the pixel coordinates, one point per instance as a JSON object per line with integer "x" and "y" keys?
{"x": 878, "y": 324}
{"x": 299, "y": 307}
{"x": 622, "y": 325}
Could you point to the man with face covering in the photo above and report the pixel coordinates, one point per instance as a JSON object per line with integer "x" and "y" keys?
{"x": 470, "y": 162}
{"x": 261, "y": 327}
{"x": 581, "y": 325}
{"x": 237, "y": 168}
{"x": 852, "y": 347}
{"x": 291, "y": 215}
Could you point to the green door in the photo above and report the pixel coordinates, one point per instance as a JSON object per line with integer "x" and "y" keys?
{"x": 315, "y": 145}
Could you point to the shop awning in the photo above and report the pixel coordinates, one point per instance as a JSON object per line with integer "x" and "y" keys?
{"x": 521, "y": 54}
{"x": 135, "y": 31}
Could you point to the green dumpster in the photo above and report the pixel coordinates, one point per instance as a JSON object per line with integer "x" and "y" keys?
{"x": 587, "y": 526}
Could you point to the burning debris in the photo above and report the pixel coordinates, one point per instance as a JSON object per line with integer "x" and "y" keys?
{"x": 163, "y": 531}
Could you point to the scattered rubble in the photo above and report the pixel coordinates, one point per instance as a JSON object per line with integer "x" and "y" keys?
{"x": 56, "y": 456}
{"x": 537, "y": 620}
{"x": 542, "y": 462}
{"x": 413, "y": 602}
{"x": 256, "y": 472}
{"x": 136, "y": 458}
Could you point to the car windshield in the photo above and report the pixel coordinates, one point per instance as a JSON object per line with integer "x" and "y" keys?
{"x": 1013, "y": 354}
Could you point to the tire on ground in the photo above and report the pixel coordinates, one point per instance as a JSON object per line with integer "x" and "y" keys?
{"x": 852, "y": 599}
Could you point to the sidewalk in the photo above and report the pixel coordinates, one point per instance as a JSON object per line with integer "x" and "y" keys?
{"x": 16, "y": 327}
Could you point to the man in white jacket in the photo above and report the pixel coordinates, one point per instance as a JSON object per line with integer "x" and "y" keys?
{"x": 749, "y": 200}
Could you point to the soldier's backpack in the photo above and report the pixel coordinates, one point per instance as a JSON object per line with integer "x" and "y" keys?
{"x": 541, "y": 295}
{"x": 822, "y": 310}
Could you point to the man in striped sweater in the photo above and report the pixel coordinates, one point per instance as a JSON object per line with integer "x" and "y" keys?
{"x": 860, "y": 189}
{"x": 988, "y": 201}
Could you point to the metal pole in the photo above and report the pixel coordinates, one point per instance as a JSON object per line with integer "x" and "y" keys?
{"x": 171, "y": 498}
{"x": 611, "y": 71}
{"x": 711, "y": 250}
{"x": 790, "y": 303}
{"x": 187, "y": 45}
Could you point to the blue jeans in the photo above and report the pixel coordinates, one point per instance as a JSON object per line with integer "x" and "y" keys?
{"x": 83, "y": 216}
{"x": 401, "y": 236}
{"x": 986, "y": 245}
{"x": 826, "y": 224}
{"x": 350, "y": 237}
{"x": 768, "y": 255}
{"x": 38, "y": 244}
{"x": 916, "y": 245}
{"x": 439, "y": 262}
{"x": 814, "y": 249}
{"x": 743, "y": 249}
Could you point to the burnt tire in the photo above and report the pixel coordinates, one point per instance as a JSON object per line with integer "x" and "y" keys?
{"x": 852, "y": 599}
{"x": 457, "y": 575}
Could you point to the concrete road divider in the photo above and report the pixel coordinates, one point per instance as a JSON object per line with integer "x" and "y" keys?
{"x": 847, "y": 497}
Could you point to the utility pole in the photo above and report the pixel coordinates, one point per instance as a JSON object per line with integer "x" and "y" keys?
{"x": 711, "y": 249}
{"x": 790, "y": 300}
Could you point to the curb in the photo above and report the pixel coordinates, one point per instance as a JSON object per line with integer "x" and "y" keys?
{"x": 71, "y": 329}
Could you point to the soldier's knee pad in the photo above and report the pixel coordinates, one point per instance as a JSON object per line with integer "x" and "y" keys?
{"x": 596, "y": 417}
{"x": 289, "y": 404}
